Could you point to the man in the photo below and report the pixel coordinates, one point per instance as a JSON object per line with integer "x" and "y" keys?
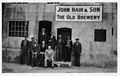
{"x": 59, "y": 48}
{"x": 24, "y": 51}
{"x": 52, "y": 41}
{"x": 68, "y": 49}
{"x": 30, "y": 51}
{"x": 41, "y": 57}
{"x": 49, "y": 54}
{"x": 43, "y": 36}
{"x": 35, "y": 49}
{"x": 77, "y": 52}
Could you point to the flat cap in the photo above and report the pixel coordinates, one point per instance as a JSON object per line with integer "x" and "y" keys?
{"x": 77, "y": 39}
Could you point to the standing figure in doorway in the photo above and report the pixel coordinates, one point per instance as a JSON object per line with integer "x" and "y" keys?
{"x": 68, "y": 49}
{"x": 24, "y": 51}
{"x": 43, "y": 36}
{"x": 52, "y": 41}
{"x": 59, "y": 48}
{"x": 77, "y": 52}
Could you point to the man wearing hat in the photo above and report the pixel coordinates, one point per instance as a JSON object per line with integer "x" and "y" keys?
{"x": 43, "y": 36}
{"x": 59, "y": 48}
{"x": 35, "y": 48}
{"x": 30, "y": 51}
{"x": 52, "y": 41}
{"x": 76, "y": 52}
{"x": 24, "y": 51}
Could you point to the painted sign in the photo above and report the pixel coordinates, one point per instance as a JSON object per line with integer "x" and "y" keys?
{"x": 78, "y": 13}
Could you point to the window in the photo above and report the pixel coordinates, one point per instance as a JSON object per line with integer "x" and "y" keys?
{"x": 18, "y": 28}
{"x": 100, "y": 35}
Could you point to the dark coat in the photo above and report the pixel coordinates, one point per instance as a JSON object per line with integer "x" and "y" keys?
{"x": 43, "y": 38}
{"x": 24, "y": 51}
{"x": 76, "y": 54}
{"x": 52, "y": 41}
{"x": 77, "y": 48}
{"x": 24, "y": 47}
{"x": 42, "y": 49}
{"x": 35, "y": 51}
{"x": 67, "y": 50}
{"x": 35, "y": 48}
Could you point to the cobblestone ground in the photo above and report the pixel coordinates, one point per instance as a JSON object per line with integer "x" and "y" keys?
{"x": 17, "y": 68}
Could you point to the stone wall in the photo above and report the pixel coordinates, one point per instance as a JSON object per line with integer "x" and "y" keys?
{"x": 92, "y": 52}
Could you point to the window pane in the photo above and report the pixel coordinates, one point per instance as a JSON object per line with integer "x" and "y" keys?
{"x": 26, "y": 28}
{"x": 12, "y": 34}
{"x": 12, "y": 29}
{"x": 17, "y": 28}
{"x": 19, "y": 34}
{"x": 15, "y": 35}
{"x": 23, "y": 34}
{"x": 23, "y": 23}
{"x": 100, "y": 35}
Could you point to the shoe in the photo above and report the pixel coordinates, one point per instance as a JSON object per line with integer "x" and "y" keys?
{"x": 45, "y": 67}
{"x": 52, "y": 67}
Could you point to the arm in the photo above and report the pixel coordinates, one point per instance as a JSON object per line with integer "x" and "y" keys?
{"x": 21, "y": 44}
{"x": 80, "y": 47}
{"x": 52, "y": 54}
{"x": 46, "y": 54}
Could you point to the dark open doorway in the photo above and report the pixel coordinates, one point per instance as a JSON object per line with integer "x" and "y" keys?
{"x": 65, "y": 32}
{"x": 44, "y": 24}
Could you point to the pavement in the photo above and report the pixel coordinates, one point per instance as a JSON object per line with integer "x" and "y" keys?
{"x": 17, "y": 68}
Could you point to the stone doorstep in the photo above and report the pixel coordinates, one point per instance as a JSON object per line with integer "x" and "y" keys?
{"x": 63, "y": 64}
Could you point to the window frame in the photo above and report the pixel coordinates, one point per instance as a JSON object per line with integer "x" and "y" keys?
{"x": 102, "y": 40}
{"x": 8, "y": 31}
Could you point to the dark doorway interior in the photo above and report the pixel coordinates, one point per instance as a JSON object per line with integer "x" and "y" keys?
{"x": 65, "y": 32}
{"x": 44, "y": 24}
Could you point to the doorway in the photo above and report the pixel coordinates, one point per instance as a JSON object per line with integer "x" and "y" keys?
{"x": 47, "y": 25}
{"x": 65, "y": 32}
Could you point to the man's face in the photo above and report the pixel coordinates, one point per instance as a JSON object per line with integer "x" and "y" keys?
{"x": 35, "y": 40}
{"x": 32, "y": 39}
{"x": 43, "y": 42}
{"x": 25, "y": 38}
{"x": 49, "y": 47}
{"x": 77, "y": 40}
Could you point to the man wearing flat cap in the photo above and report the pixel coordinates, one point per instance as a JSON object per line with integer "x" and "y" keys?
{"x": 43, "y": 36}
{"x": 76, "y": 52}
{"x": 35, "y": 48}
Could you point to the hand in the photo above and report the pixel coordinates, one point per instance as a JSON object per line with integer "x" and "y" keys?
{"x": 41, "y": 52}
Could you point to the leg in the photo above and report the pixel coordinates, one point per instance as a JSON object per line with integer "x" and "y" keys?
{"x": 52, "y": 62}
{"x": 45, "y": 62}
{"x": 75, "y": 55}
{"x": 78, "y": 60}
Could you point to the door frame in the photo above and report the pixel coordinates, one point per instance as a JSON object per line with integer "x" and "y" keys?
{"x": 65, "y": 28}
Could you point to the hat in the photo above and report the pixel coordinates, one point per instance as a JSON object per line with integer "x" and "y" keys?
{"x": 32, "y": 38}
{"x": 77, "y": 39}
{"x": 43, "y": 29}
{"x": 25, "y": 36}
{"x": 59, "y": 35}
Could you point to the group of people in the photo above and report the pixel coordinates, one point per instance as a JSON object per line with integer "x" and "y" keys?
{"x": 44, "y": 51}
